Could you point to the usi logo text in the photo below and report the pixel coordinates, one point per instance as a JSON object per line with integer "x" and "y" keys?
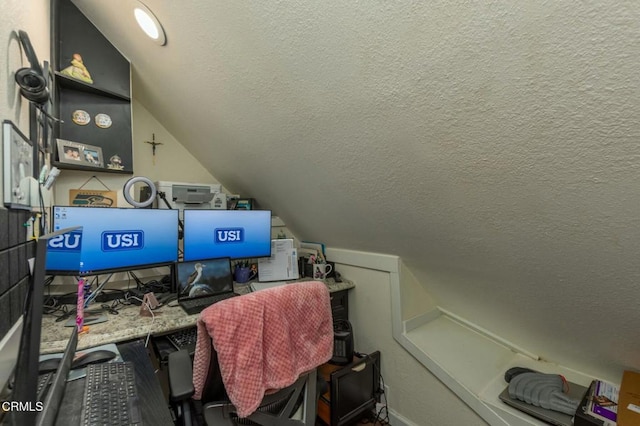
{"x": 122, "y": 240}
{"x": 229, "y": 235}
{"x": 71, "y": 241}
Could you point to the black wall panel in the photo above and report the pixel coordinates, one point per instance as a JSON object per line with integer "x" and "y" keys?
{"x": 15, "y": 251}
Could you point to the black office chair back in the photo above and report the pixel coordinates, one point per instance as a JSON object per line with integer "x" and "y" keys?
{"x": 277, "y": 409}
{"x": 213, "y": 386}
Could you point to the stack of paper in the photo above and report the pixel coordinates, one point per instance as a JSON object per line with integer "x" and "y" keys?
{"x": 283, "y": 263}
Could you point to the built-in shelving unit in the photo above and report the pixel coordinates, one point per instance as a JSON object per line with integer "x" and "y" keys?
{"x": 472, "y": 362}
{"x": 106, "y": 99}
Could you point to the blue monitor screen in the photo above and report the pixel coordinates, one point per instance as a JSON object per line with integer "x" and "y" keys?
{"x": 64, "y": 252}
{"x": 112, "y": 239}
{"x": 237, "y": 234}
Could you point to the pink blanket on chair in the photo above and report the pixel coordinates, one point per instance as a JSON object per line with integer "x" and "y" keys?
{"x": 264, "y": 340}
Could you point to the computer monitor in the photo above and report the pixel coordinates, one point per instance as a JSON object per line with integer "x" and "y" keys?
{"x": 26, "y": 369}
{"x": 53, "y": 400}
{"x": 237, "y": 234}
{"x": 113, "y": 239}
{"x": 203, "y": 277}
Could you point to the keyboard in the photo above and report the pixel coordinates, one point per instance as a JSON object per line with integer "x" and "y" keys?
{"x": 194, "y": 306}
{"x": 184, "y": 339}
{"x": 110, "y": 395}
{"x": 44, "y": 380}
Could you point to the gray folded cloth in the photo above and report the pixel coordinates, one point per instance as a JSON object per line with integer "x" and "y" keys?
{"x": 542, "y": 390}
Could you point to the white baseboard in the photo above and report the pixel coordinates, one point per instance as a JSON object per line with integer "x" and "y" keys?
{"x": 396, "y": 419}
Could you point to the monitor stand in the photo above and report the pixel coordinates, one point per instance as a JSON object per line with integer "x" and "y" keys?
{"x": 90, "y": 317}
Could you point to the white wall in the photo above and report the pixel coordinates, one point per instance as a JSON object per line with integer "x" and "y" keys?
{"x": 416, "y": 397}
{"x": 490, "y": 144}
{"x": 31, "y": 16}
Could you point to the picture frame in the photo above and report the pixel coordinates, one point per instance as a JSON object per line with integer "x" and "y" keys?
{"x": 80, "y": 154}
{"x": 17, "y": 154}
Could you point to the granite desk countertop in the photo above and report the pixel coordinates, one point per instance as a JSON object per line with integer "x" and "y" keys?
{"x": 129, "y": 324}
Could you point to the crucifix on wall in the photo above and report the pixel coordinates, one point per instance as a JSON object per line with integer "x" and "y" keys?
{"x": 153, "y": 144}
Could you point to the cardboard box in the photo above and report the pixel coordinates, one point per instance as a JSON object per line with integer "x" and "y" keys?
{"x": 629, "y": 400}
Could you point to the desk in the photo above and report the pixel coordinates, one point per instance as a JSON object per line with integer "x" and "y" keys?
{"x": 129, "y": 325}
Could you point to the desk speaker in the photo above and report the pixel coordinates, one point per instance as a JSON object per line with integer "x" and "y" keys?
{"x": 342, "y": 342}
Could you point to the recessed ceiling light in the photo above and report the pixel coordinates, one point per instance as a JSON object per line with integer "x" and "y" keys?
{"x": 149, "y": 24}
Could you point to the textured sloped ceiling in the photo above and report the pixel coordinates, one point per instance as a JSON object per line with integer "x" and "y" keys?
{"x": 492, "y": 144}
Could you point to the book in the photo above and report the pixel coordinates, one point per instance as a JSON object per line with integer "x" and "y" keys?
{"x": 603, "y": 402}
{"x": 319, "y": 247}
{"x": 307, "y": 252}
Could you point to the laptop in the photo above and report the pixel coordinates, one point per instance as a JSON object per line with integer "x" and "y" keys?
{"x": 550, "y": 416}
{"x": 201, "y": 283}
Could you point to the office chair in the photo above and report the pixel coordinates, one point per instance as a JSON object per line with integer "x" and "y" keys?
{"x": 255, "y": 360}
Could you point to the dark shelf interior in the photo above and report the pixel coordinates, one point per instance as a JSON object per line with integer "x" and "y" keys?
{"x": 70, "y": 83}
{"x": 67, "y": 166}
{"x": 78, "y": 42}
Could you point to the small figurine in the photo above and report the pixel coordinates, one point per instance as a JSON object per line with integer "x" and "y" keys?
{"x": 77, "y": 70}
{"x": 115, "y": 163}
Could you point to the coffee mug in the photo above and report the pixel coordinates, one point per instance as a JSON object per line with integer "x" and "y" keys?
{"x": 321, "y": 270}
{"x": 243, "y": 274}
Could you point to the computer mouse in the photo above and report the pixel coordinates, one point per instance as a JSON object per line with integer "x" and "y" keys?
{"x": 48, "y": 365}
{"x": 101, "y": 355}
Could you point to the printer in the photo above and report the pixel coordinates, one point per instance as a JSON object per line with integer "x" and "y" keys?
{"x": 181, "y": 195}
